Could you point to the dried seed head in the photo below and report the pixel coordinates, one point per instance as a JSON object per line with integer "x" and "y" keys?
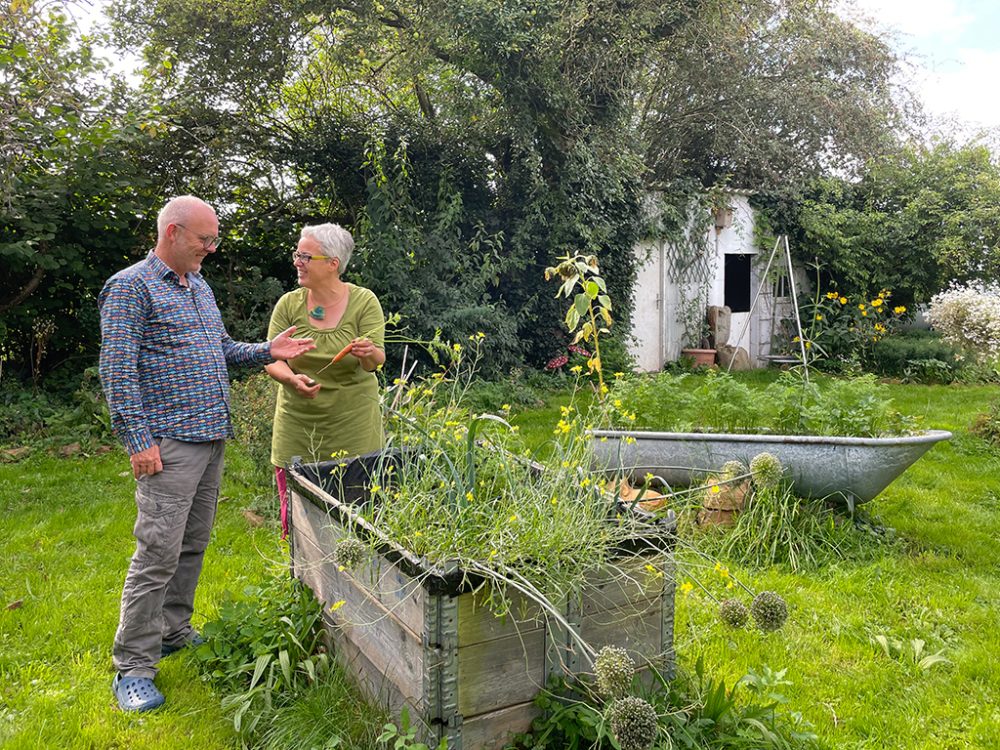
{"x": 766, "y": 470}
{"x": 350, "y": 552}
{"x": 634, "y": 723}
{"x": 734, "y": 613}
{"x": 769, "y": 611}
{"x": 614, "y": 669}
{"x": 732, "y": 469}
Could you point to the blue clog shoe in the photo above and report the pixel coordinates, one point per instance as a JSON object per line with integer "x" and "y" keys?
{"x": 136, "y": 693}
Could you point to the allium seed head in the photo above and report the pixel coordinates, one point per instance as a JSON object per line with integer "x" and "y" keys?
{"x": 614, "y": 669}
{"x": 769, "y": 611}
{"x": 734, "y": 613}
{"x": 634, "y": 723}
{"x": 732, "y": 469}
{"x": 766, "y": 470}
{"x": 350, "y": 552}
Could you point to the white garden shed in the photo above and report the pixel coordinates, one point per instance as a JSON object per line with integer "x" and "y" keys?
{"x": 729, "y": 275}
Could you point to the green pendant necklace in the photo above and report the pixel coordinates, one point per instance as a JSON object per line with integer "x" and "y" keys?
{"x": 317, "y": 313}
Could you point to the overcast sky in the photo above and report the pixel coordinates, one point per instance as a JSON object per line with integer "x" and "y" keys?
{"x": 956, "y": 44}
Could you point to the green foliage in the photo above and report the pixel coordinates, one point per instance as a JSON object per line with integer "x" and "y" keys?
{"x": 778, "y": 528}
{"x": 252, "y": 402}
{"x": 843, "y": 330}
{"x": 70, "y": 188}
{"x": 987, "y": 425}
{"x": 39, "y": 418}
{"x": 917, "y": 219}
{"x": 718, "y": 402}
{"x": 266, "y": 648}
{"x": 918, "y": 355}
{"x": 695, "y": 710}
{"x": 913, "y": 652}
{"x": 404, "y": 736}
{"x": 590, "y": 314}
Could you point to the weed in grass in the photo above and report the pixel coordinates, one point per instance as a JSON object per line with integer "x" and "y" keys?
{"x": 263, "y": 648}
{"x": 330, "y": 714}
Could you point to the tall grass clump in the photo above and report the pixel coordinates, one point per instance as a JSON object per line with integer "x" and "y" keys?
{"x": 776, "y": 527}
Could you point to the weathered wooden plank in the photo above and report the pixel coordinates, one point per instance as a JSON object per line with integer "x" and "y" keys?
{"x": 398, "y": 592}
{"x": 499, "y": 673}
{"x": 374, "y": 683}
{"x": 362, "y": 620}
{"x": 477, "y": 623}
{"x": 492, "y": 731}
{"x": 636, "y": 578}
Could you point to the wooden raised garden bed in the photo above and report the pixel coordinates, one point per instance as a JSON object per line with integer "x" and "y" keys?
{"x": 416, "y": 635}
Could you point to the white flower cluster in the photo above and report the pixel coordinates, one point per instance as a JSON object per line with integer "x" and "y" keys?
{"x": 969, "y": 316}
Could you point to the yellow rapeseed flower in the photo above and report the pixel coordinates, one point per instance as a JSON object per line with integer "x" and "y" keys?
{"x": 687, "y": 587}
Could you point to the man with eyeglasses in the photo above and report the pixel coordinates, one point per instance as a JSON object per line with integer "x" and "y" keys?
{"x": 163, "y": 365}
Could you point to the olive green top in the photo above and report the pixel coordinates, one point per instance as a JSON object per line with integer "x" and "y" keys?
{"x": 345, "y": 418}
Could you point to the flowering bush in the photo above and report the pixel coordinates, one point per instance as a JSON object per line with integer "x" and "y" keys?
{"x": 969, "y": 317}
{"x": 840, "y": 328}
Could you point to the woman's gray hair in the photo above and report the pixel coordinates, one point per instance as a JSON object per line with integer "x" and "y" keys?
{"x": 334, "y": 241}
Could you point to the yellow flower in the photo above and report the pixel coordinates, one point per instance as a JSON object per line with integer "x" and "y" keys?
{"x": 513, "y": 517}
{"x": 864, "y": 313}
{"x": 877, "y": 302}
{"x": 880, "y": 328}
{"x": 809, "y": 344}
{"x": 716, "y": 489}
{"x": 504, "y": 407}
{"x": 584, "y": 483}
{"x": 899, "y": 309}
{"x": 843, "y": 300}
{"x": 861, "y": 305}
{"x": 576, "y": 369}
{"x": 686, "y": 587}
{"x": 619, "y": 375}
{"x": 566, "y": 410}
{"x": 469, "y": 496}
{"x": 832, "y": 295}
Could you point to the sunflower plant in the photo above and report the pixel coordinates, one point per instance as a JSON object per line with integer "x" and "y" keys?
{"x": 846, "y": 329}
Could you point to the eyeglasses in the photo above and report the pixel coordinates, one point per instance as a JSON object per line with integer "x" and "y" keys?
{"x": 306, "y": 257}
{"x": 206, "y": 242}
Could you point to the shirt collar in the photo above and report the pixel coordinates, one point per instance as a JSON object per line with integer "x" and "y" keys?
{"x": 163, "y": 271}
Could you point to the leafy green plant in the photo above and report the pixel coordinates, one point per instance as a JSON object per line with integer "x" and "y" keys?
{"x": 694, "y": 710}
{"x": 590, "y": 314}
{"x": 911, "y": 651}
{"x": 404, "y": 736}
{"x": 264, "y": 647}
{"x": 858, "y": 407}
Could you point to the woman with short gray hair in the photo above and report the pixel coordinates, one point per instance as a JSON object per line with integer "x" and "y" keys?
{"x": 327, "y": 408}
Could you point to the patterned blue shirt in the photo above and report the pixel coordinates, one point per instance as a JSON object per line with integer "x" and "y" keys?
{"x": 164, "y": 352}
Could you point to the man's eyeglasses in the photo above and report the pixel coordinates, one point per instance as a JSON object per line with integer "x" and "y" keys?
{"x": 306, "y": 257}
{"x": 206, "y": 242}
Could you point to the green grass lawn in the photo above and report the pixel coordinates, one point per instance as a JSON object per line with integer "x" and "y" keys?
{"x": 67, "y": 541}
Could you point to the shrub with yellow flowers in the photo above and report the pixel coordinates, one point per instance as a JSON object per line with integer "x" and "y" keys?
{"x": 846, "y": 329}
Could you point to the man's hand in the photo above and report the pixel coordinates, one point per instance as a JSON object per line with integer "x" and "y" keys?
{"x": 283, "y": 346}
{"x": 301, "y": 382}
{"x": 146, "y": 463}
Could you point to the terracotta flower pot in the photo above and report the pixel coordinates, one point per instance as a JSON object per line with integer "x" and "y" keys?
{"x": 701, "y": 357}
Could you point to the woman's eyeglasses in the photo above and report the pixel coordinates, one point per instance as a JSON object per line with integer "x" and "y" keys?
{"x": 306, "y": 257}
